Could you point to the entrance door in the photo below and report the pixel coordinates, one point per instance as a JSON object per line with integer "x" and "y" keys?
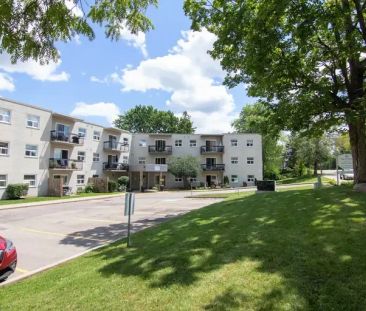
{"x": 63, "y": 129}
{"x": 159, "y": 181}
{"x": 112, "y": 161}
{"x": 61, "y": 154}
{"x": 112, "y": 141}
{"x": 211, "y": 180}
{"x": 210, "y": 162}
{"x": 160, "y": 145}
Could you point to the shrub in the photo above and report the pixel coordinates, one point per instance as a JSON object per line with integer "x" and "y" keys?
{"x": 112, "y": 186}
{"x": 89, "y": 189}
{"x": 16, "y": 191}
{"x": 122, "y": 183}
{"x": 226, "y": 180}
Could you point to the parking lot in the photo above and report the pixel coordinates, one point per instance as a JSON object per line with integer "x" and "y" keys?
{"x": 48, "y": 234}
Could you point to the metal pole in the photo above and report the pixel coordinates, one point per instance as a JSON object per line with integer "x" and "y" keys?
{"x": 129, "y": 228}
{"x": 337, "y": 170}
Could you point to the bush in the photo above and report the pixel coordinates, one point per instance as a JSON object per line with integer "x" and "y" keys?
{"x": 226, "y": 180}
{"x": 16, "y": 191}
{"x": 89, "y": 189}
{"x": 112, "y": 186}
{"x": 122, "y": 183}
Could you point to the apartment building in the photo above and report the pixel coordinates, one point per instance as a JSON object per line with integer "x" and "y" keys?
{"x": 38, "y": 146}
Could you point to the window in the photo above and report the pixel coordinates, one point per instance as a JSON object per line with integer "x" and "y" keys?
{"x": 31, "y": 151}
{"x": 234, "y": 160}
{"x": 234, "y": 178}
{"x": 33, "y": 121}
{"x": 125, "y": 141}
{"x": 30, "y": 180}
{"x": 160, "y": 160}
{"x": 80, "y": 179}
{"x": 5, "y": 115}
{"x": 193, "y": 179}
{"x": 96, "y": 157}
{"x": 96, "y": 135}
{"x": 250, "y": 160}
{"x": 142, "y": 160}
{"x": 234, "y": 142}
{"x": 4, "y": 149}
{"x": 251, "y": 178}
{"x": 178, "y": 143}
{"x": 193, "y": 143}
{"x": 142, "y": 143}
{"x": 81, "y": 155}
{"x": 95, "y": 176}
{"x": 3, "y": 180}
{"x": 249, "y": 142}
{"x": 125, "y": 160}
{"x": 177, "y": 179}
{"x": 82, "y": 132}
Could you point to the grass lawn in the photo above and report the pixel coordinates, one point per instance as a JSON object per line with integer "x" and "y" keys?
{"x": 302, "y": 179}
{"x": 42, "y": 199}
{"x": 292, "y": 250}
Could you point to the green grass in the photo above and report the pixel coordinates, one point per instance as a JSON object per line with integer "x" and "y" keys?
{"x": 42, "y": 199}
{"x": 301, "y": 180}
{"x": 290, "y": 250}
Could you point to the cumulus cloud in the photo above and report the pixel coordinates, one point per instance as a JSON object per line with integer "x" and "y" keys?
{"x": 72, "y": 5}
{"x": 138, "y": 40}
{"x": 109, "y": 111}
{"x": 48, "y": 72}
{"x": 191, "y": 76}
{"x": 6, "y": 82}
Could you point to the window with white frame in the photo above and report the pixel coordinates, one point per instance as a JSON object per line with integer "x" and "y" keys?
{"x": 234, "y": 160}
{"x": 5, "y": 115}
{"x": 234, "y": 142}
{"x": 30, "y": 180}
{"x": 142, "y": 160}
{"x": 251, "y": 178}
{"x": 250, "y": 160}
{"x": 96, "y": 135}
{"x": 31, "y": 151}
{"x": 142, "y": 143}
{"x": 125, "y": 160}
{"x": 80, "y": 179}
{"x": 4, "y": 148}
{"x": 192, "y": 143}
{"x": 81, "y": 155}
{"x": 178, "y": 179}
{"x": 193, "y": 179}
{"x": 249, "y": 142}
{"x": 96, "y": 157}
{"x": 234, "y": 178}
{"x": 178, "y": 143}
{"x": 33, "y": 121}
{"x": 82, "y": 132}
{"x": 3, "y": 181}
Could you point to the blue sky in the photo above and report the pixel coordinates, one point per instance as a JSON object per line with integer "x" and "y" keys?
{"x": 167, "y": 68}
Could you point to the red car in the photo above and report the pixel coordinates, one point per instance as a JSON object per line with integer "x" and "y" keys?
{"x": 8, "y": 258}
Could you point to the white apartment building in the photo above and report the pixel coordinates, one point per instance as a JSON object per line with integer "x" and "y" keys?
{"x": 37, "y": 145}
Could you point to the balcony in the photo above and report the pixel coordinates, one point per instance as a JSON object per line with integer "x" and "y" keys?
{"x": 160, "y": 149}
{"x": 65, "y": 164}
{"x": 115, "y": 146}
{"x": 212, "y": 149}
{"x": 213, "y": 167}
{"x": 69, "y": 139}
{"x": 107, "y": 166}
{"x": 151, "y": 168}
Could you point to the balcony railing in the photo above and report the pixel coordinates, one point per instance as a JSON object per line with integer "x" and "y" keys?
{"x": 154, "y": 168}
{"x": 107, "y": 166}
{"x": 212, "y": 149}
{"x": 66, "y": 164}
{"x": 58, "y": 136}
{"x": 115, "y": 146}
{"x": 213, "y": 167}
{"x": 161, "y": 149}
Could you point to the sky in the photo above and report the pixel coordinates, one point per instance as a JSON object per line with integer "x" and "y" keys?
{"x": 168, "y": 67}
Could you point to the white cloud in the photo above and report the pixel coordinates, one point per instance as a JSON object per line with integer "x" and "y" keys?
{"x": 77, "y": 40}
{"x": 191, "y": 76}
{"x": 71, "y": 5}
{"x": 97, "y": 80}
{"x": 138, "y": 40}
{"x": 6, "y": 82}
{"x": 37, "y": 71}
{"x": 109, "y": 111}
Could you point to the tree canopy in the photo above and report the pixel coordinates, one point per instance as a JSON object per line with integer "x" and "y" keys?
{"x": 147, "y": 119}
{"x": 184, "y": 167}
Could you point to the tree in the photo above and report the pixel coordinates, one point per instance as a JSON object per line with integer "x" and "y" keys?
{"x": 184, "y": 167}
{"x": 30, "y": 28}
{"x": 304, "y": 58}
{"x": 342, "y": 143}
{"x": 147, "y": 119}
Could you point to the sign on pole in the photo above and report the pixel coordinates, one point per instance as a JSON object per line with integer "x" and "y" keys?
{"x": 345, "y": 161}
{"x": 129, "y": 210}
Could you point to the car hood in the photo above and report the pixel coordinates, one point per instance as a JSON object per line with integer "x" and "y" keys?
{"x": 2, "y": 243}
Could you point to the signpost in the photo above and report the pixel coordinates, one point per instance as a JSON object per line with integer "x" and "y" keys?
{"x": 129, "y": 210}
{"x": 345, "y": 162}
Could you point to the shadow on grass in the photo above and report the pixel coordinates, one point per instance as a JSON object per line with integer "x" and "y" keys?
{"x": 316, "y": 240}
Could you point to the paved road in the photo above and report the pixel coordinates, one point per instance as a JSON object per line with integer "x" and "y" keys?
{"x": 45, "y": 235}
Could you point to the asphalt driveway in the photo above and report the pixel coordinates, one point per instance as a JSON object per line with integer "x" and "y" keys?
{"x": 45, "y": 235}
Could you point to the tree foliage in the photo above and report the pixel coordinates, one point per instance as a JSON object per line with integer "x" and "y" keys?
{"x": 184, "y": 167}
{"x": 30, "y": 28}
{"x": 147, "y": 119}
{"x": 304, "y": 58}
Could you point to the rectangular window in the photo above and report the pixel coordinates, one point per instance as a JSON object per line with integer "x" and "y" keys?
{"x": 4, "y": 149}
{"x": 81, "y": 155}
{"x": 125, "y": 160}
{"x": 251, "y": 178}
{"x": 3, "y": 181}
{"x": 5, "y": 115}
{"x": 177, "y": 179}
{"x": 125, "y": 141}
{"x": 193, "y": 179}
{"x": 178, "y": 143}
{"x": 142, "y": 143}
{"x": 250, "y": 142}
{"x": 250, "y": 160}
{"x": 31, "y": 151}
{"x": 234, "y": 142}
{"x": 82, "y": 132}
{"x": 96, "y": 157}
{"x": 96, "y": 135}
{"x": 80, "y": 179}
{"x": 193, "y": 143}
{"x": 33, "y": 121}
{"x": 142, "y": 160}
{"x": 234, "y": 178}
{"x": 234, "y": 160}
{"x": 30, "y": 180}
{"x": 160, "y": 160}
